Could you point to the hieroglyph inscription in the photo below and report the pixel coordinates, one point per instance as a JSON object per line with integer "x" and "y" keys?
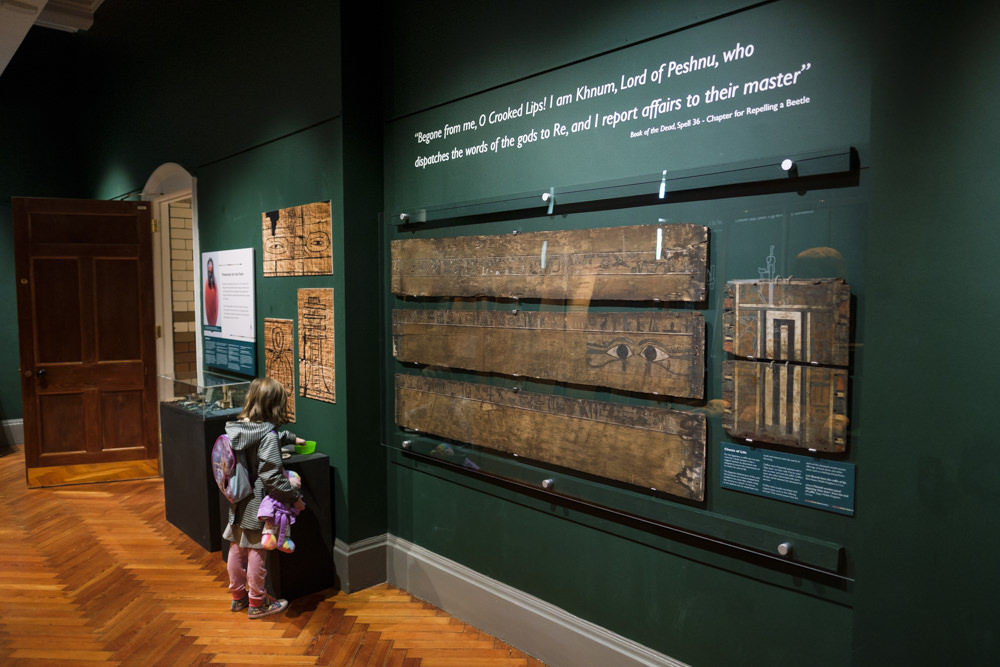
{"x": 317, "y": 368}
{"x": 650, "y": 447}
{"x": 798, "y": 320}
{"x": 791, "y": 386}
{"x": 279, "y": 362}
{"x": 786, "y": 404}
{"x": 639, "y": 263}
{"x": 298, "y": 240}
{"x": 661, "y": 352}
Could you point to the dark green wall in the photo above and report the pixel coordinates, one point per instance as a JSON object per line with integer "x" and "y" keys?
{"x": 39, "y": 156}
{"x": 927, "y": 582}
{"x": 165, "y": 86}
{"x": 670, "y": 591}
{"x": 363, "y": 94}
{"x": 445, "y": 50}
{"x": 232, "y": 194}
{"x": 918, "y": 244}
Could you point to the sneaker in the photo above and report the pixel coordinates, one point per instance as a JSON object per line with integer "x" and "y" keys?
{"x": 241, "y": 604}
{"x": 270, "y": 606}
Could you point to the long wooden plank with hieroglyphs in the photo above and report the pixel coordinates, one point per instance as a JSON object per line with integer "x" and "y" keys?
{"x": 647, "y": 446}
{"x": 639, "y": 263}
{"x": 658, "y": 352}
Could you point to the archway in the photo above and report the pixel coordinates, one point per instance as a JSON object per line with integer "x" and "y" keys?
{"x": 172, "y": 193}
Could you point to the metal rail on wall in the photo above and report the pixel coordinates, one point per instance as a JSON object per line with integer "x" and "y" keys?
{"x": 837, "y": 167}
{"x": 819, "y": 559}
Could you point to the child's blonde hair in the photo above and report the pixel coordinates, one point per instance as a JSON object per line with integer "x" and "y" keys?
{"x": 266, "y": 402}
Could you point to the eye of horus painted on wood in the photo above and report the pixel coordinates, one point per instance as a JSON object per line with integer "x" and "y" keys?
{"x": 298, "y": 240}
{"x": 660, "y": 352}
{"x": 646, "y": 446}
{"x": 637, "y": 263}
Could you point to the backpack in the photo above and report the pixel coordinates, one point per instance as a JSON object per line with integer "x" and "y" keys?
{"x": 230, "y": 471}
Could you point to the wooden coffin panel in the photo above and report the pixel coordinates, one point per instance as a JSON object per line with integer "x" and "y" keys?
{"x": 279, "y": 358}
{"x": 317, "y": 344}
{"x": 638, "y": 263}
{"x": 788, "y": 320}
{"x": 655, "y": 352}
{"x": 786, "y": 404}
{"x": 649, "y": 447}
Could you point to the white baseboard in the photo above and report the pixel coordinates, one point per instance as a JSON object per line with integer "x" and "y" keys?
{"x": 360, "y": 564}
{"x": 530, "y": 624}
{"x": 14, "y": 431}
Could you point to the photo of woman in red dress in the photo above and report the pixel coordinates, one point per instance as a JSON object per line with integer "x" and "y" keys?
{"x": 211, "y": 295}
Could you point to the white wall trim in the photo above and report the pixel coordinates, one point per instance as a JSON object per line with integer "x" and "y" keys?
{"x": 14, "y": 431}
{"x": 360, "y": 564}
{"x": 530, "y": 624}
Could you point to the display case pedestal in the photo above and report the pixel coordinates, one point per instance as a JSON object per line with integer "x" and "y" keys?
{"x": 310, "y": 567}
{"x": 190, "y": 495}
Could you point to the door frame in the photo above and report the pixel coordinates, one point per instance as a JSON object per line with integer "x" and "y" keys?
{"x": 170, "y": 182}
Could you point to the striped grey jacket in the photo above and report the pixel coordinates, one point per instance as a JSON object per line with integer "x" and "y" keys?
{"x": 261, "y": 444}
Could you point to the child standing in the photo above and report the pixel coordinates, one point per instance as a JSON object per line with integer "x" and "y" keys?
{"x": 254, "y": 432}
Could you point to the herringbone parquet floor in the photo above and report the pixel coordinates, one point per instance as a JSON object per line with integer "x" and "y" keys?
{"x": 94, "y": 574}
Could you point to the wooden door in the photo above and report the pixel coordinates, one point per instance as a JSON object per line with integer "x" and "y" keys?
{"x": 87, "y": 340}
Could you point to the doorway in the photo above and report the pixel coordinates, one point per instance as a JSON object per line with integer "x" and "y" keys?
{"x": 89, "y": 356}
{"x": 87, "y": 353}
{"x": 171, "y": 192}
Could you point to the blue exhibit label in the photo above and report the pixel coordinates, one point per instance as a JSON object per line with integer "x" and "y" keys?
{"x": 236, "y": 356}
{"x": 804, "y": 480}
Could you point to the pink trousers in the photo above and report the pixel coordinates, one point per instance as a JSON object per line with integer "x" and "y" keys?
{"x": 247, "y": 571}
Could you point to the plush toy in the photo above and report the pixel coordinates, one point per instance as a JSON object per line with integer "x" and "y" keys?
{"x": 278, "y": 519}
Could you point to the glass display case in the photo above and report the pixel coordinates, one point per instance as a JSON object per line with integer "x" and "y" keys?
{"x": 694, "y": 374}
{"x": 193, "y": 413}
{"x": 209, "y": 395}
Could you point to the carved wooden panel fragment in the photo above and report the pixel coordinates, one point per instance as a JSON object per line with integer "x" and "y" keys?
{"x": 806, "y": 321}
{"x": 279, "y": 360}
{"x": 659, "y": 352}
{"x": 298, "y": 240}
{"x": 317, "y": 361}
{"x": 639, "y": 263}
{"x": 649, "y": 447}
{"x": 786, "y": 404}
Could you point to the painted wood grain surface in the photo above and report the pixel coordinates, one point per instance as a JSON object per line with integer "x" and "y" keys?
{"x": 650, "y": 447}
{"x": 279, "y": 359}
{"x": 661, "y": 352}
{"x": 786, "y": 404}
{"x": 788, "y": 320}
{"x": 317, "y": 340}
{"x": 637, "y": 263}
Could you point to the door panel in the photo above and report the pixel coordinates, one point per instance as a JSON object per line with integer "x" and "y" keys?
{"x": 57, "y": 327}
{"x": 121, "y": 433}
{"x": 85, "y": 321}
{"x": 118, "y": 327}
{"x": 62, "y": 436}
{"x": 62, "y": 227}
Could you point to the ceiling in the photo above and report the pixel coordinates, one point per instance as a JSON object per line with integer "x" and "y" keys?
{"x": 17, "y": 17}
